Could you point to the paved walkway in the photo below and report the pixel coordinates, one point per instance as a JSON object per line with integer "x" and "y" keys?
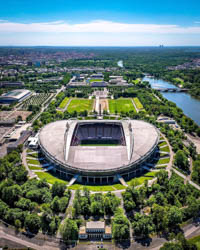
{"x": 30, "y": 173}
{"x": 185, "y": 178}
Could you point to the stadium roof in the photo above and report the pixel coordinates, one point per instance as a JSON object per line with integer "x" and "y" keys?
{"x": 140, "y": 141}
{"x": 16, "y": 94}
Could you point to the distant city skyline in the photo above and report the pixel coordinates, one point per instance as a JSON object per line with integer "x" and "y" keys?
{"x": 104, "y": 23}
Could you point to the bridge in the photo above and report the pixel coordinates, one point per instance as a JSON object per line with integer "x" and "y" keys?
{"x": 171, "y": 90}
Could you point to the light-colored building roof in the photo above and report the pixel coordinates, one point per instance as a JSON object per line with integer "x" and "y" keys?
{"x": 82, "y": 230}
{"x": 17, "y": 133}
{"x": 17, "y": 93}
{"x": 140, "y": 142}
{"x": 95, "y": 225}
{"x": 108, "y": 230}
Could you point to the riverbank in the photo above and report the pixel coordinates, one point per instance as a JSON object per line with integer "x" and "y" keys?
{"x": 189, "y": 104}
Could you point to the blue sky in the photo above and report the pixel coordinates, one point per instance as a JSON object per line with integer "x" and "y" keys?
{"x": 105, "y": 22}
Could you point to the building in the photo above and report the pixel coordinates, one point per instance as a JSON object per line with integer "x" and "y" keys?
{"x": 11, "y": 84}
{"x": 22, "y": 139}
{"x": 17, "y": 95}
{"x": 68, "y": 145}
{"x": 18, "y": 131}
{"x": 97, "y": 76}
{"x": 95, "y": 230}
{"x": 99, "y": 84}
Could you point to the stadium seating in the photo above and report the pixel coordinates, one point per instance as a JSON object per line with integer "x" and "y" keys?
{"x": 103, "y": 133}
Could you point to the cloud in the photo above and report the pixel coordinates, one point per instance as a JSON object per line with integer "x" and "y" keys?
{"x": 96, "y": 26}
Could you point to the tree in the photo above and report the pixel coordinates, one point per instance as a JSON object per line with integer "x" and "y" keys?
{"x": 18, "y": 224}
{"x": 32, "y": 223}
{"x": 58, "y": 189}
{"x": 69, "y": 230}
{"x": 159, "y": 216}
{"x": 181, "y": 160}
{"x": 96, "y": 208}
{"x": 55, "y": 204}
{"x": 63, "y": 202}
{"x": 120, "y": 226}
{"x": 174, "y": 216}
{"x": 171, "y": 246}
{"x": 142, "y": 225}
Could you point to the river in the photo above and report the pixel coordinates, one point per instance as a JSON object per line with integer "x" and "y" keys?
{"x": 189, "y": 105}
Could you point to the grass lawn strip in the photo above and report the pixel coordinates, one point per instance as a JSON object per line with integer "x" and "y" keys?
{"x": 118, "y": 186}
{"x": 80, "y": 105}
{"x": 33, "y": 161}
{"x": 50, "y": 178}
{"x": 93, "y": 188}
{"x": 140, "y": 180}
{"x": 165, "y": 149}
{"x": 163, "y": 161}
{"x": 95, "y": 80}
{"x": 160, "y": 167}
{"x": 138, "y": 103}
{"x": 34, "y": 168}
{"x": 64, "y": 103}
{"x": 33, "y": 155}
{"x": 162, "y": 143}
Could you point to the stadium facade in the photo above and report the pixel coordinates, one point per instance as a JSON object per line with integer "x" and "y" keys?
{"x": 16, "y": 95}
{"x": 98, "y": 151}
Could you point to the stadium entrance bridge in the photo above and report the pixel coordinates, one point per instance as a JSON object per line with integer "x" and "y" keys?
{"x": 98, "y": 151}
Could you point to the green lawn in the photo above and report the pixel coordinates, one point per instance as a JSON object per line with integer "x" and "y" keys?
{"x": 138, "y": 103}
{"x": 34, "y": 168}
{"x": 98, "y": 188}
{"x": 64, "y": 103}
{"x": 121, "y": 105}
{"x": 163, "y": 155}
{"x": 80, "y": 105}
{"x": 162, "y": 143}
{"x": 118, "y": 186}
{"x": 92, "y": 188}
{"x": 165, "y": 149}
{"x": 50, "y": 177}
{"x": 140, "y": 180}
{"x": 163, "y": 161}
{"x": 33, "y": 161}
{"x": 95, "y": 80}
{"x": 33, "y": 155}
{"x": 161, "y": 167}
{"x": 138, "y": 80}
{"x": 196, "y": 240}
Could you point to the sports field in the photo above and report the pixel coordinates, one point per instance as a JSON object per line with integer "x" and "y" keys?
{"x": 96, "y": 80}
{"x": 80, "y": 105}
{"x": 121, "y": 105}
{"x": 64, "y": 103}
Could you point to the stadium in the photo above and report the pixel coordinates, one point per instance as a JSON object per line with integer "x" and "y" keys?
{"x": 17, "y": 95}
{"x": 98, "y": 151}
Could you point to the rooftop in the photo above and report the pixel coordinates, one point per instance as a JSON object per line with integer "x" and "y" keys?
{"x": 95, "y": 225}
{"x": 17, "y": 94}
{"x": 139, "y": 142}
